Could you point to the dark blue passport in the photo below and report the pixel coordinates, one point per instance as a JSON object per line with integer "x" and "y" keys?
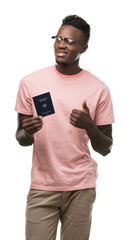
{"x": 43, "y": 104}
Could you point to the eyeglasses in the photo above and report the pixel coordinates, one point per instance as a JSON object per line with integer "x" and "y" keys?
{"x": 68, "y": 41}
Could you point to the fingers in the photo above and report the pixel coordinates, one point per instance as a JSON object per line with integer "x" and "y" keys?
{"x": 73, "y": 121}
{"x": 32, "y": 125}
{"x": 80, "y": 118}
{"x": 76, "y": 111}
{"x": 27, "y": 120}
{"x": 74, "y": 116}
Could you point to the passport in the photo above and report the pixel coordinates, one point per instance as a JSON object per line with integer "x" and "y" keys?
{"x": 43, "y": 104}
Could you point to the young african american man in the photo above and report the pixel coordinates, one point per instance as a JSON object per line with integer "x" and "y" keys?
{"x": 63, "y": 175}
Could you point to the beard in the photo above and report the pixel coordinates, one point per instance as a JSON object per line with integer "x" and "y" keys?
{"x": 61, "y": 63}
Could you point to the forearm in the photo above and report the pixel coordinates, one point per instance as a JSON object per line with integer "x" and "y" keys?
{"x": 24, "y": 138}
{"x": 99, "y": 141}
{"x": 100, "y": 137}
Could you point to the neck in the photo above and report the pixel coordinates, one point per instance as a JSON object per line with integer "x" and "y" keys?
{"x": 68, "y": 69}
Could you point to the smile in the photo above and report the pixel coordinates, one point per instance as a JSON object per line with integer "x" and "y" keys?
{"x": 61, "y": 54}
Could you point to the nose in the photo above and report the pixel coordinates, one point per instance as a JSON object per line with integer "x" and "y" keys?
{"x": 62, "y": 44}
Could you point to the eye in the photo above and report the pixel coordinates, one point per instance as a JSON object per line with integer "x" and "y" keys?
{"x": 58, "y": 39}
{"x": 69, "y": 41}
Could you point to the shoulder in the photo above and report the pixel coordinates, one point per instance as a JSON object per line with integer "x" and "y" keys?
{"x": 95, "y": 79}
{"x": 95, "y": 82}
{"x": 36, "y": 75}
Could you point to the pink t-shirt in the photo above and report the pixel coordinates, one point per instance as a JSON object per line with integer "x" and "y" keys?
{"x": 61, "y": 157}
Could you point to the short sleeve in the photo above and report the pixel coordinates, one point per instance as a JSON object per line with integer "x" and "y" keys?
{"x": 23, "y": 100}
{"x": 104, "y": 112}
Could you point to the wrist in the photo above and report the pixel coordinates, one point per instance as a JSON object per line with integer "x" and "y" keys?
{"x": 24, "y": 138}
{"x": 90, "y": 126}
{"x": 27, "y": 134}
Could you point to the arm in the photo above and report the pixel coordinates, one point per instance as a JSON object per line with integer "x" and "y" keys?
{"x": 100, "y": 136}
{"x": 27, "y": 126}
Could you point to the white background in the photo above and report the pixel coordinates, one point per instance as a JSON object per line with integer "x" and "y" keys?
{"x": 26, "y": 28}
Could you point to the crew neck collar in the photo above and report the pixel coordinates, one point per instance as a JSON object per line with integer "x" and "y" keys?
{"x": 68, "y": 76}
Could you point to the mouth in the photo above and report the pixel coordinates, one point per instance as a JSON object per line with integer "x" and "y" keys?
{"x": 61, "y": 54}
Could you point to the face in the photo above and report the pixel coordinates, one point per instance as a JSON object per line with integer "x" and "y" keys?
{"x": 67, "y": 54}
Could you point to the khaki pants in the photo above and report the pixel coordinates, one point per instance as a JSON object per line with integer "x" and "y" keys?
{"x": 46, "y": 208}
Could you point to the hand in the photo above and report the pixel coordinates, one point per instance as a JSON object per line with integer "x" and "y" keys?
{"x": 32, "y": 124}
{"x": 81, "y": 119}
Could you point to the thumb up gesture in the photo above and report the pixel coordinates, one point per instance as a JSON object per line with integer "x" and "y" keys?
{"x": 81, "y": 118}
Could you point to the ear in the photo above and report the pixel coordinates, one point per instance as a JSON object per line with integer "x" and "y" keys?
{"x": 84, "y": 48}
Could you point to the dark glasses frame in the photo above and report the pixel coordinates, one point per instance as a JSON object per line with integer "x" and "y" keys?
{"x": 69, "y": 41}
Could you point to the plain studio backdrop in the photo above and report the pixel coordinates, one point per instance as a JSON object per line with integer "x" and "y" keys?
{"x": 25, "y": 46}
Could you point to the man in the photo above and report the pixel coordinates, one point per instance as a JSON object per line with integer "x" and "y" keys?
{"x": 63, "y": 177}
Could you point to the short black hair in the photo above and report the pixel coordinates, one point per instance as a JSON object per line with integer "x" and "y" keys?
{"x": 79, "y": 23}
